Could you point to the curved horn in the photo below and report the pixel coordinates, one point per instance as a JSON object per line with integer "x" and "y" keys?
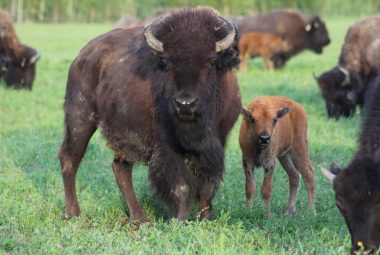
{"x": 315, "y": 77}
{"x": 346, "y": 73}
{"x": 35, "y": 58}
{"x": 330, "y": 176}
{"x": 152, "y": 41}
{"x": 227, "y": 41}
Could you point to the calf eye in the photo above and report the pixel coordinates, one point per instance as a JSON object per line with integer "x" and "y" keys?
{"x": 274, "y": 121}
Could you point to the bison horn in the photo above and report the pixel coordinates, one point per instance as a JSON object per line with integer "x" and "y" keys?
{"x": 330, "y": 176}
{"x": 315, "y": 77}
{"x": 346, "y": 73}
{"x": 34, "y": 58}
{"x": 152, "y": 41}
{"x": 227, "y": 41}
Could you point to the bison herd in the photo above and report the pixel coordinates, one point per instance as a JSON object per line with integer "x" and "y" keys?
{"x": 164, "y": 91}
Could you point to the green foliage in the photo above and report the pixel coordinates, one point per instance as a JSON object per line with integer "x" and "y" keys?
{"x": 112, "y": 10}
{"x": 31, "y": 190}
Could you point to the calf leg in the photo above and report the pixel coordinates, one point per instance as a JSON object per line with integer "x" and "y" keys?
{"x": 266, "y": 189}
{"x": 293, "y": 175}
{"x": 123, "y": 174}
{"x": 303, "y": 165}
{"x": 250, "y": 185}
{"x": 244, "y": 62}
{"x": 79, "y": 127}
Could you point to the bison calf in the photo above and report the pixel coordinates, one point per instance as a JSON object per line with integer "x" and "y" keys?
{"x": 261, "y": 44}
{"x": 276, "y": 127}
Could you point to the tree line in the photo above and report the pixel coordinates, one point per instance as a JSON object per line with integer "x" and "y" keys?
{"x": 112, "y": 10}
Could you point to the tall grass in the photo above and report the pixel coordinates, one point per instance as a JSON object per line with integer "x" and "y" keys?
{"x": 31, "y": 190}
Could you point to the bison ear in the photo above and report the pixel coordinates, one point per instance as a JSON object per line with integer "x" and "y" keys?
{"x": 335, "y": 169}
{"x": 282, "y": 112}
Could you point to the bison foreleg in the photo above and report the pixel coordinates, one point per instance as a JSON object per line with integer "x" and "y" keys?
{"x": 123, "y": 174}
{"x": 170, "y": 181}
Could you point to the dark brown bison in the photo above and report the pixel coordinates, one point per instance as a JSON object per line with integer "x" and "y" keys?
{"x": 357, "y": 187}
{"x": 18, "y": 61}
{"x": 302, "y": 33}
{"x": 343, "y": 87}
{"x": 167, "y": 96}
{"x": 276, "y": 127}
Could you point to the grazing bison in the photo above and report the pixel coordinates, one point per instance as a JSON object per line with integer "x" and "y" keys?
{"x": 302, "y": 33}
{"x": 276, "y": 127}
{"x": 343, "y": 87}
{"x": 167, "y": 96}
{"x": 18, "y": 61}
{"x": 357, "y": 187}
{"x": 261, "y": 44}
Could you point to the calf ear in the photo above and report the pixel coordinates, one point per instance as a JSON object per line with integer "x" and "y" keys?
{"x": 282, "y": 112}
{"x": 246, "y": 114}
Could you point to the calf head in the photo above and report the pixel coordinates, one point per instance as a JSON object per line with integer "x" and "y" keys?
{"x": 21, "y": 72}
{"x": 262, "y": 121}
{"x": 340, "y": 90}
{"x": 357, "y": 194}
{"x": 317, "y": 34}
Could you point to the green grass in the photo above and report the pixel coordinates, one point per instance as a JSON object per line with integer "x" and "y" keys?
{"x": 31, "y": 190}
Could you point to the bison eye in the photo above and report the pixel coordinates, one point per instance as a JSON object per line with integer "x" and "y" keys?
{"x": 274, "y": 121}
{"x": 162, "y": 63}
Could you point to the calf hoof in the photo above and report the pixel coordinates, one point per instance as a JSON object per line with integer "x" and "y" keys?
{"x": 248, "y": 205}
{"x": 139, "y": 221}
{"x": 66, "y": 215}
{"x": 290, "y": 213}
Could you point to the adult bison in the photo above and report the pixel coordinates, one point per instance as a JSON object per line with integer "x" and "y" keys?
{"x": 18, "y": 61}
{"x": 302, "y": 33}
{"x": 357, "y": 187}
{"x": 167, "y": 96}
{"x": 343, "y": 86}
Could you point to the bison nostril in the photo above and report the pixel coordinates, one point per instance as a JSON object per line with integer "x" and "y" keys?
{"x": 264, "y": 139}
{"x": 185, "y": 102}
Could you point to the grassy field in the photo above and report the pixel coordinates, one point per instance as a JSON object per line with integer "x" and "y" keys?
{"x": 31, "y": 190}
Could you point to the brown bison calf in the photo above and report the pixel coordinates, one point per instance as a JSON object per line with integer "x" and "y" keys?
{"x": 276, "y": 127}
{"x": 261, "y": 44}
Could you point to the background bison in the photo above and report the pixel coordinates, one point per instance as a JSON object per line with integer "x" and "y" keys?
{"x": 357, "y": 187}
{"x": 343, "y": 87}
{"x": 302, "y": 33}
{"x": 18, "y": 61}
{"x": 166, "y": 96}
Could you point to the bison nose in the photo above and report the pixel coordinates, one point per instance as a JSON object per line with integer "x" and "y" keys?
{"x": 185, "y": 105}
{"x": 264, "y": 139}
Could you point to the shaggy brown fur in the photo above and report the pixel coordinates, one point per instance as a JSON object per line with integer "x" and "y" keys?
{"x": 357, "y": 186}
{"x": 171, "y": 109}
{"x": 276, "y": 127}
{"x": 261, "y": 44}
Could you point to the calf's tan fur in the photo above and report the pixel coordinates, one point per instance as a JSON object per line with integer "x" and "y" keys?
{"x": 285, "y": 123}
{"x": 261, "y": 44}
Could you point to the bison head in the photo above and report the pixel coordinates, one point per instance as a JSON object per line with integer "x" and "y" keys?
{"x": 194, "y": 48}
{"x": 317, "y": 34}
{"x": 357, "y": 194}
{"x": 341, "y": 92}
{"x": 263, "y": 121}
{"x": 21, "y": 72}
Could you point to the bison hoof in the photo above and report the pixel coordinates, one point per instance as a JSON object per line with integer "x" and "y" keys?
{"x": 290, "y": 213}
{"x": 249, "y": 205}
{"x": 139, "y": 221}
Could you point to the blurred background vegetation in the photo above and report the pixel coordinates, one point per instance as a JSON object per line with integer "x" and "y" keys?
{"x": 112, "y": 10}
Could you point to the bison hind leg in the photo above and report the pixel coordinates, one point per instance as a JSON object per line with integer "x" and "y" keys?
{"x": 79, "y": 128}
